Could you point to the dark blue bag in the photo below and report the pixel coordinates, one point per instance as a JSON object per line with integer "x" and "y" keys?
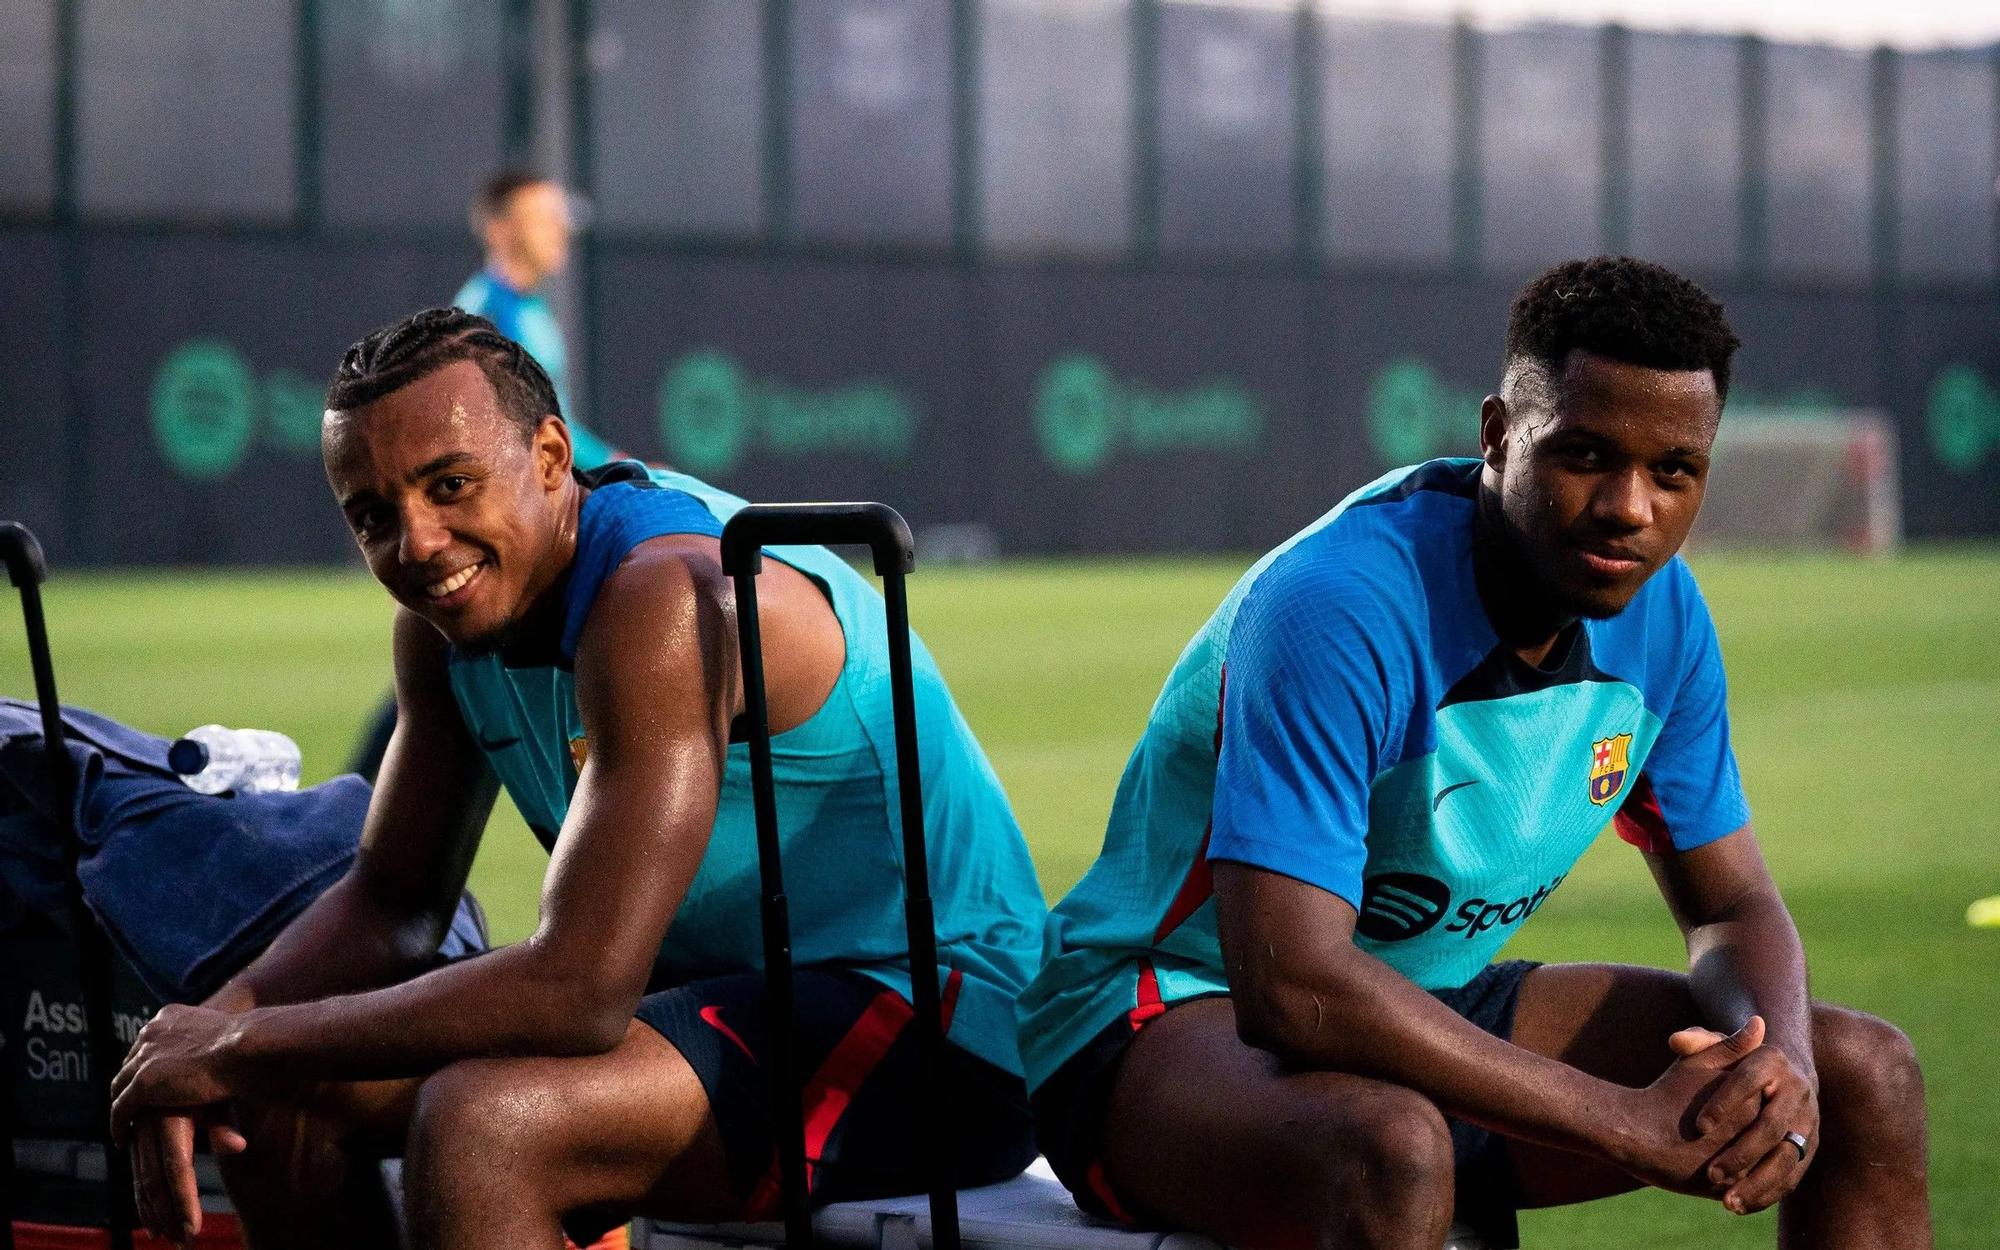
{"x": 190, "y": 887}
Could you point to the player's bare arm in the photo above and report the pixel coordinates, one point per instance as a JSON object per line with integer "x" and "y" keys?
{"x": 1304, "y": 991}
{"x": 385, "y": 918}
{"x": 378, "y": 924}
{"x": 1744, "y": 959}
{"x": 655, "y": 687}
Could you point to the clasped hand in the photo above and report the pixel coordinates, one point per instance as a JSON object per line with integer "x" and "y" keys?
{"x": 179, "y": 1071}
{"x": 1714, "y": 1123}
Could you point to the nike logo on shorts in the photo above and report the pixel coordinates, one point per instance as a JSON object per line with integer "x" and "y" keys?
{"x": 711, "y": 1016}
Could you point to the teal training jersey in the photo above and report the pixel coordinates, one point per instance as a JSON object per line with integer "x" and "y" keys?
{"x": 527, "y": 319}
{"x": 838, "y": 809}
{"x": 1348, "y": 718}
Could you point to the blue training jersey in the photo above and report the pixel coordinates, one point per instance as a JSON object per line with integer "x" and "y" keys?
{"x": 1349, "y": 718}
{"x": 839, "y": 815}
{"x": 526, "y": 318}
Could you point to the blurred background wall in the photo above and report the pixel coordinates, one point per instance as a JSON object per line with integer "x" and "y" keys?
{"x": 1119, "y": 275}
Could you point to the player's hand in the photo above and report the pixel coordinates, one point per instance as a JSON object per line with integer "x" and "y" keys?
{"x": 1665, "y": 1142}
{"x": 164, "y": 1190}
{"x": 1759, "y": 1167}
{"x": 181, "y": 1061}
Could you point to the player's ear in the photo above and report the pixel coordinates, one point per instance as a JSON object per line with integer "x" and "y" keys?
{"x": 1493, "y": 432}
{"x": 553, "y": 455}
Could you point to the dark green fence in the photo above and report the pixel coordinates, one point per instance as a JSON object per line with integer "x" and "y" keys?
{"x": 1033, "y": 265}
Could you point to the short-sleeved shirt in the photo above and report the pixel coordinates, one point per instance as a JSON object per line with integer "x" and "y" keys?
{"x": 1349, "y": 718}
{"x": 526, "y": 317}
{"x": 838, "y": 807}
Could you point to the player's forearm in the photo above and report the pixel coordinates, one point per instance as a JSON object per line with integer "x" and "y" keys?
{"x": 513, "y": 1001}
{"x": 1353, "y": 1013}
{"x": 1750, "y": 962}
{"x": 343, "y": 942}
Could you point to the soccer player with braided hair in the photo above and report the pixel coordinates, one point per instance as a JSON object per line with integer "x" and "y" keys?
{"x": 573, "y": 631}
{"x": 1272, "y": 1011}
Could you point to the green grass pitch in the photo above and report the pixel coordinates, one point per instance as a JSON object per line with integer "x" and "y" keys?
{"x": 1866, "y": 705}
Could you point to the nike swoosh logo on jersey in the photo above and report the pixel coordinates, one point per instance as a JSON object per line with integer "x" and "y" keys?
{"x": 495, "y": 744}
{"x": 1456, "y": 785}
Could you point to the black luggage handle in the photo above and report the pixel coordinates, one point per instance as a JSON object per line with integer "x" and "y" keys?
{"x": 23, "y": 555}
{"x": 884, "y": 532}
{"x": 27, "y": 568}
{"x": 875, "y": 526}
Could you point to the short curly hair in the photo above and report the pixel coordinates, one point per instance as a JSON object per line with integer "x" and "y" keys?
{"x": 1623, "y": 309}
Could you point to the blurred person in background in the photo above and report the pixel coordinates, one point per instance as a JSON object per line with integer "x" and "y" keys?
{"x": 524, "y": 222}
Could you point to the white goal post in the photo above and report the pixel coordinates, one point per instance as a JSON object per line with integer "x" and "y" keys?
{"x": 1787, "y": 480}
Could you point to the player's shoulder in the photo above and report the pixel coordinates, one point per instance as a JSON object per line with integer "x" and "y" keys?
{"x": 633, "y": 515}
{"x": 629, "y": 502}
{"x": 1383, "y": 554}
{"x": 1402, "y": 523}
{"x": 1359, "y": 583}
{"x": 1662, "y": 635}
{"x": 665, "y": 571}
{"x": 658, "y": 580}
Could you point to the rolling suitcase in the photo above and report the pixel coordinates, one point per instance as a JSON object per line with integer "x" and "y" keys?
{"x": 879, "y": 528}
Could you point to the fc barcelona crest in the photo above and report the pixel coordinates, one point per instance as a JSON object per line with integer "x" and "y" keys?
{"x": 579, "y": 752}
{"x": 1607, "y": 767}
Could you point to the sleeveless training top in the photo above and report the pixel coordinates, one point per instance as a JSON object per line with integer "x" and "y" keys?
{"x": 838, "y": 812}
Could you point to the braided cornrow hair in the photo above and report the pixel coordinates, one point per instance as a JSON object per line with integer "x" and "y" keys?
{"x": 397, "y": 355}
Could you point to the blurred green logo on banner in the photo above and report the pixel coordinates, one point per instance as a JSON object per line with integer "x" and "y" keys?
{"x": 204, "y": 408}
{"x": 703, "y": 421}
{"x": 1084, "y": 415}
{"x": 1073, "y": 413}
{"x": 1963, "y": 413}
{"x": 209, "y": 408}
{"x": 293, "y": 406}
{"x": 1414, "y": 414}
{"x": 713, "y": 413}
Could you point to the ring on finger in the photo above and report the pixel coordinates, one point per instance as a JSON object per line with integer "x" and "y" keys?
{"x": 1799, "y": 1143}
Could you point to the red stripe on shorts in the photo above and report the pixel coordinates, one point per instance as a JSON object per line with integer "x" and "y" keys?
{"x": 948, "y": 1005}
{"x": 833, "y": 1087}
{"x": 1093, "y": 1176}
{"x": 1148, "y": 996}
{"x": 845, "y": 1069}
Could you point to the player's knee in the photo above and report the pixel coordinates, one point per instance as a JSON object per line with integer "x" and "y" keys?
{"x": 480, "y": 1117}
{"x": 1868, "y": 1070}
{"x": 1390, "y": 1162}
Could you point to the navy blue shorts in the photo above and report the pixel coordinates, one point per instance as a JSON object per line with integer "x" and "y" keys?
{"x": 1071, "y": 1105}
{"x": 864, "y": 1089}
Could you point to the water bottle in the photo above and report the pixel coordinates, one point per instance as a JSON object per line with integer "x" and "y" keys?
{"x": 212, "y": 759}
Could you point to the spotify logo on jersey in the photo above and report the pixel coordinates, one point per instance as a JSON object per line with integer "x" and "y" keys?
{"x": 1399, "y": 905}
